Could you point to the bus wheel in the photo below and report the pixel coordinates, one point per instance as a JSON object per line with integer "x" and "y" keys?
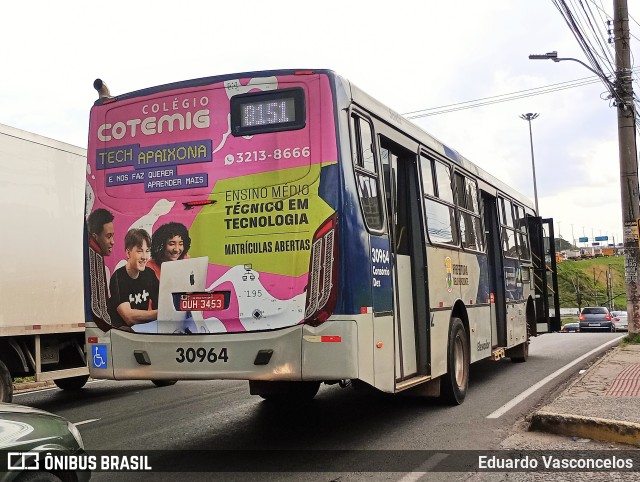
{"x": 6, "y": 384}
{"x": 454, "y": 383}
{"x": 164, "y": 383}
{"x": 284, "y": 392}
{"x": 72, "y": 383}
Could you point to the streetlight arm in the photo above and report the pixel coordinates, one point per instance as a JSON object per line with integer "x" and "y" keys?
{"x": 554, "y": 56}
{"x": 602, "y": 77}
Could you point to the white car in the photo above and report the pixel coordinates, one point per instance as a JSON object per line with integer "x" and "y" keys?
{"x": 619, "y": 319}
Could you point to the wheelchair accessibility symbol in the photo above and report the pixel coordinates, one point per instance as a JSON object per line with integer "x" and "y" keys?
{"x": 99, "y": 356}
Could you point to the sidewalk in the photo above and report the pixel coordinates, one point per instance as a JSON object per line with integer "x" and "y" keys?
{"x": 602, "y": 404}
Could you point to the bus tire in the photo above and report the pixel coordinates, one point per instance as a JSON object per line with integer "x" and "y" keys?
{"x": 284, "y": 391}
{"x": 72, "y": 383}
{"x": 454, "y": 384}
{"x": 6, "y": 384}
{"x": 164, "y": 383}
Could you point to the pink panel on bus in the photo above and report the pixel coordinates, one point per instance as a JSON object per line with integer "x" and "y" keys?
{"x": 149, "y": 155}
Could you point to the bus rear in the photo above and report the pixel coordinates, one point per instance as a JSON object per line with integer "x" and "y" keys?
{"x": 212, "y": 229}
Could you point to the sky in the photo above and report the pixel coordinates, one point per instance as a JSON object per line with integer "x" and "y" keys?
{"x": 409, "y": 55}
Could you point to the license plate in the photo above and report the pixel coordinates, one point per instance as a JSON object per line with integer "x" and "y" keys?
{"x": 201, "y": 302}
{"x": 49, "y": 354}
{"x": 594, "y": 324}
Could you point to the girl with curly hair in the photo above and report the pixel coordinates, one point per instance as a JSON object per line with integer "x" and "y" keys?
{"x": 170, "y": 242}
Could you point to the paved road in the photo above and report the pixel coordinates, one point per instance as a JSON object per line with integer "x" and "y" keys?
{"x": 221, "y": 415}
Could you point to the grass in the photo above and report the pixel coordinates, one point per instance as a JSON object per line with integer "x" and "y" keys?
{"x": 590, "y": 277}
{"x": 24, "y": 379}
{"x": 630, "y": 340}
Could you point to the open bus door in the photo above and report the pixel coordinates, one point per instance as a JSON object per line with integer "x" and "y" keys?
{"x": 545, "y": 275}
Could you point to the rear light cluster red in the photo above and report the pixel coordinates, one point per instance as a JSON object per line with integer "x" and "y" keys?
{"x": 581, "y": 317}
{"x": 99, "y": 291}
{"x": 323, "y": 273}
{"x": 607, "y": 317}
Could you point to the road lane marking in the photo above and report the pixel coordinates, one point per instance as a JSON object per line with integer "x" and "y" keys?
{"x": 425, "y": 468}
{"x": 86, "y": 421}
{"x": 515, "y": 401}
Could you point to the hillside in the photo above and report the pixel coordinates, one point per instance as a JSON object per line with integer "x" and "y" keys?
{"x": 589, "y": 277}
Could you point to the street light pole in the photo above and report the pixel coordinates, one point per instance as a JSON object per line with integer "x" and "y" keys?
{"x": 529, "y": 117}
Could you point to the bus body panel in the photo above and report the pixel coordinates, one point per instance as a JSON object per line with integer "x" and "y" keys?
{"x": 439, "y": 335}
{"x": 202, "y": 356}
{"x": 327, "y": 352}
{"x": 149, "y": 156}
{"x": 330, "y": 351}
{"x": 383, "y": 354}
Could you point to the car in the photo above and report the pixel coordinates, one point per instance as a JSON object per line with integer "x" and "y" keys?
{"x": 620, "y": 322}
{"x": 595, "y": 318}
{"x": 27, "y": 434}
{"x": 570, "y": 327}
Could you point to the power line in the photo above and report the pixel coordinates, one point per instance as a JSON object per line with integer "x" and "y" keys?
{"x": 501, "y": 98}
{"x": 585, "y": 45}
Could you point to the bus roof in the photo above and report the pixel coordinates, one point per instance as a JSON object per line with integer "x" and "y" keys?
{"x": 381, "y": 111}
{"x": 385, "y": 114}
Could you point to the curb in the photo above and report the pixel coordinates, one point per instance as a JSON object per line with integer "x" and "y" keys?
{"x": 27, "y": 386}
{"x": 586, "y": 427}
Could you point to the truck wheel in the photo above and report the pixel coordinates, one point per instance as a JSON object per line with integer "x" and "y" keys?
{"x": 164, "y": 383}
{"x": 6, "y": 384}
{"x": 72, "y": 383}
{"x": 454, "y": 383}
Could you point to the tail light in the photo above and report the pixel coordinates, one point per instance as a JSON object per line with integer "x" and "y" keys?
{"x": 323, "y": 273}
{"x": 607, "y": 317}
{"x": 616, "y": 320}
{"x": 581, "y": 317}
{"x": 99, "y": 290}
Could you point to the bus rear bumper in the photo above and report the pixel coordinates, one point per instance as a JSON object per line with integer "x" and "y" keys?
{"x": 301, "y": 352}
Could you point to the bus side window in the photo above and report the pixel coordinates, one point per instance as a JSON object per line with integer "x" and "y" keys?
{"x": 363, "y": 153}
{"x": 469, "y": 213}
{"x": 439, "y": 207}
{"x": 509, "y": 246}
{"x": 521, "y": 226}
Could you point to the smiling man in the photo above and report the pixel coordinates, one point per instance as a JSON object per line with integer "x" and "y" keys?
{"x": 134, "y": 289}
{"x": 101, "y": 231}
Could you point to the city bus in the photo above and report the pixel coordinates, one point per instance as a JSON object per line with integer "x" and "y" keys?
{"x": 285, "y": 228}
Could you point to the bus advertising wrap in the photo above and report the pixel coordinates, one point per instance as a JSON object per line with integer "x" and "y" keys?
{"x": 193, "y": 229}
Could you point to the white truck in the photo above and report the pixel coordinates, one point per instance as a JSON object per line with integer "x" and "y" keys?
{"x": 42, "y": 184}
{"x": 572, "y": 254}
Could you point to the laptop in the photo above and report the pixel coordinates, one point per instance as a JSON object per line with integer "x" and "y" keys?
{"x": 184, "y": 275}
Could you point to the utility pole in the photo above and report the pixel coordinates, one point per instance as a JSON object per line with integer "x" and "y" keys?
{"x": 610, "y": 288}
{"x": 578, "y": 294}
{"x": 623, "y": 96}
{"x": 628, "y": 161}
